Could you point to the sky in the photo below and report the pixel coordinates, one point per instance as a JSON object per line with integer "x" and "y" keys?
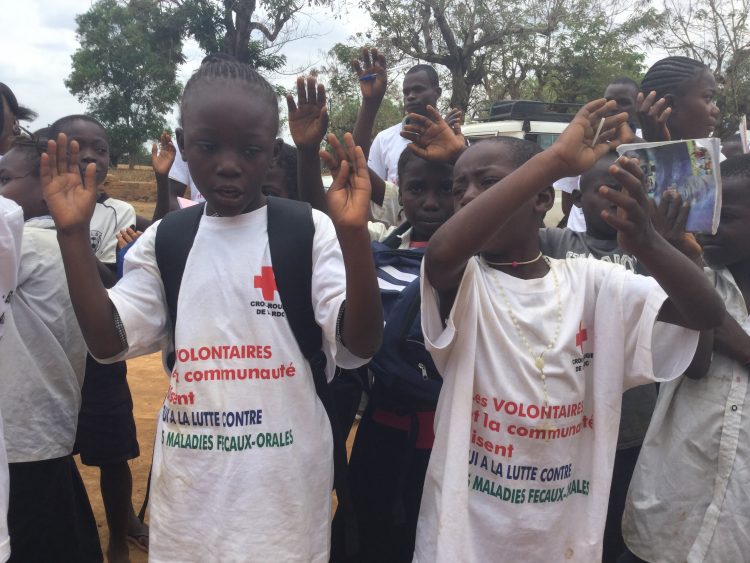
{"x": 35, "y": 53}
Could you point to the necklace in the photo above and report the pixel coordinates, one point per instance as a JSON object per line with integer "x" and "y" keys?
{"x": 538, "y": 358}
{"x": 514, "y": 263}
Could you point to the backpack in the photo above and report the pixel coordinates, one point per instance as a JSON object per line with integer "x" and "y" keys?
{"x": 402, "y": 364}
{"x": 290, "y": 237}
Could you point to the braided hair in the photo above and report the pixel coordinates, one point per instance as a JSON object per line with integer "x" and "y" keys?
{"x": 669, "y": 76}
{"x": 216, "y": 68}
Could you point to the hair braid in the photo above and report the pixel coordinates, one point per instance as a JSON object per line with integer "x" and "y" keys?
{"x": 667, "y": 76}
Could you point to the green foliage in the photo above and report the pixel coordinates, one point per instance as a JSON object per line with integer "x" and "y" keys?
{"x": 125, "y": 69}
{"x": 206, "y": 22}
{"x": 589, "y": 54}
{"x": 343, "y": 114}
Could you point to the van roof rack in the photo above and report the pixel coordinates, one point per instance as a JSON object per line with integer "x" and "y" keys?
{"x": 529, "y": 110}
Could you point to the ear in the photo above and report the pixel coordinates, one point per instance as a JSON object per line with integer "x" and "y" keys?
{"x": 544, "y": 200}
{"x": 439, "y": 91}
{"x": 400, "y": 199}
{"x": 576, "y": 195}
{"x": 277, "y": 145}
{"x": 670, "y": 100}
{"x": 180, "y": 135}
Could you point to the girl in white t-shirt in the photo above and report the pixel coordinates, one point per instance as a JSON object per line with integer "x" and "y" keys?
{"x": 243, "y": 462}
{"x": 535, "y": 353}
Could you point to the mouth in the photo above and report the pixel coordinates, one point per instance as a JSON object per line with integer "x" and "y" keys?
{"x": 228, "y": 194}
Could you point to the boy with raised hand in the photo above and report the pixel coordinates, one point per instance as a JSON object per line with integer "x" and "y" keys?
{"x": 535, "y": 353}
{"x": 688, "y": 498}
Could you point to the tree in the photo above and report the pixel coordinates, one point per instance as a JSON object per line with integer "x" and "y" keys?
{"x": 251, "y": 30}
{"x": 125, "y": 70}
{"x": 715, "y": 32}
{"x": 551, "y": 50}
{"x": 460, "y": 34}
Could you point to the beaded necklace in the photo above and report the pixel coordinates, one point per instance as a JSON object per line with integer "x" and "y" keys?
{"x": 538, "y": 358}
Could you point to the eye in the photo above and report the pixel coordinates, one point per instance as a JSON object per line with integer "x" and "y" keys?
{"x": 489, "y": 181}
{"x": 251, "y": 151}
{"x": 4, "y": 180}
{"x": 101, "y": 151}
{"x": 206, "y": 146}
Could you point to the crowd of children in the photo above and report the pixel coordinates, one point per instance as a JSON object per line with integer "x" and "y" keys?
{"x": 563, "y": 394}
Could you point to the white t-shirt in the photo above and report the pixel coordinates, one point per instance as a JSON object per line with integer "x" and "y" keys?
{"x": 576, "y": 220}
{"x": 243, "y": 463}
{"x": 385, "y": 151}
{"x": 42, "y": 354}
{"x": 536, "y": 485}
{"x": 11, "y": 228}
{"x": 180, "y": 172}
{"x": 110, "y": 216}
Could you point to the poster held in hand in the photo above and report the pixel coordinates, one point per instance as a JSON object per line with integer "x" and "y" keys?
{"x": 690, "y": 167}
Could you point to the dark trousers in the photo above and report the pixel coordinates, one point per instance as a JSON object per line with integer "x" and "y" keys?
{"x": 386, "y": 475}
{"x": 614, "y": 545}
{"x": 49, "y": 516}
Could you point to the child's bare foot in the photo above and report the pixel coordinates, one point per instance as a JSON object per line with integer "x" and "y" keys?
{"x": 138, "y": 534}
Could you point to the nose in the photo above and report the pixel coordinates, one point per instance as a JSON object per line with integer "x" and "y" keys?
{"x": 430, "y": 202}
{"x": 229, "y": 167}
{"x": 469, "y": 195}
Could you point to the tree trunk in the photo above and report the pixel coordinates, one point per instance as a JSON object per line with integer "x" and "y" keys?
{"x": 131, "y": 160}
{"x": 460, "y": 90}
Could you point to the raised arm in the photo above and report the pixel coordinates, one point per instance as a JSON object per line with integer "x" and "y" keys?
{"x": 71, "y": 203}
{"x": 349, "y": 205}
{"x": 373, "y": 80}
{"x": 162, "y": 158}
{"x": 308, "y": 122}
{"x": 464, "y": 234}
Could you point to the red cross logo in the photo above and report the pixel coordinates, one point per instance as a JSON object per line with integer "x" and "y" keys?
{"x": 581, "y": 337}
{"x": 266, "y": 282}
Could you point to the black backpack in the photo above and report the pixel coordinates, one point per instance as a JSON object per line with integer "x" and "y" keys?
{"x": 290, "y": 238}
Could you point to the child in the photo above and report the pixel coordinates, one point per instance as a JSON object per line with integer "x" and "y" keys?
{"x": 281, "y": 180}
{"x": 600, "y": 242}
{"x": 624, "y": 92}
{"x": 688, "y": 499}
{"x": 11, "y": 227}
{"x": 243, "y": 464}
{"x": 677, "y": 100}
{"x": 535, "y": 353}
{"x": 11, "y": 112}
{"x": 106, "y": 436}
{"x": 42, "y": 362}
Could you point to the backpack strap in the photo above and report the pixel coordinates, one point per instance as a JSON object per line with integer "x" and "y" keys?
{"x": 290, "y": 237}
{"x": 174, "y": 239}
{"x": 394, "y": 239}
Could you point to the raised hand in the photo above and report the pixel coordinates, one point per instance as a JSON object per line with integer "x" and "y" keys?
{"x": 163, "y": 155}
{"x": 653, "y": 115}
{"x": 308, "y": 117}
{"x": 333, "y": 159}
{"x": 432, "y": 138}
{"x": 70, "y": 195}
{"x": 579, "y": 147}
{"x": 372, "y": 75}
{"x": 453, "y": 118}
{"x": 349, "y": 195}
{"x": 126, "y": 237}
{"x": 669, "y": 219}
{"x": 635, "y": 231}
